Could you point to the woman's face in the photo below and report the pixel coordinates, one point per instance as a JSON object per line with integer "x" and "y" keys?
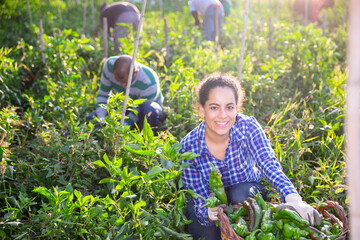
{"x": 219, "y": 111}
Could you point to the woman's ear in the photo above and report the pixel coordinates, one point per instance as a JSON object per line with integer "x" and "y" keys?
{"x": 201, "y": 110}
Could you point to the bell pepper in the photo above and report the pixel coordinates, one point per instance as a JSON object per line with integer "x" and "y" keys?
{"x": 288, "y": 230}
{"x": 292, "y": 216}
{"x": 252, "y": 235}
{"x": 266, "y": 236}
{"x": 280, "y": 224}
{"x": 299, "y": 233}
{"x": 211, "y": 202}
{"x": 216, "y": 184}
{"x": 325, "y": 227}
{"x": 267, "y": 224}
{"x": 241, "y": 228}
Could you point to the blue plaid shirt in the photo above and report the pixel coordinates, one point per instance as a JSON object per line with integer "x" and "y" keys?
{"x": 248, "y": 156}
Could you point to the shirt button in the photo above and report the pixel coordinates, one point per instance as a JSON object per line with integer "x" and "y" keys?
{"x": 226, "y": 168}
{"x": 243, "y": 166}
{"x": 228, "y": 181}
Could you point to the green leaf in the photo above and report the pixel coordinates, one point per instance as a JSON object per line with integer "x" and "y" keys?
{"x": 89, "y": 47}
{"x": 140, "y": 151}
{"x": 21, "y": 236}
{"x": 138, "y": 137}
{"x": 188, "y": 155}
{"x": 147, "y": 131}
{"x": 45, "y": 192}
{"x": 155, "y": 171}
{"x": 108, "y": 180}
{"x": 184, "y": 165}
{"x": 311, "y": 180}
{"x": 139, "y": 101}
{"x": 339, "y": 190}
{"x": 65, "y": 222}
{"x": 69, "y": 188}
{"x": 1, "y": 153}
{"x": 106, "y": 159}
{"x": 139, "y": 205}
{"x": 166, "y": 163}
{"x": 2, "y": 235}
{"x": 77, "y": 194}
{"x": 99, "y": 163}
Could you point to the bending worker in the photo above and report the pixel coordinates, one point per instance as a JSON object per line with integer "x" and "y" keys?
{"x": 206, "y": 8}
{"x": 123, "y": 13}
{"x": 144, "y": 85}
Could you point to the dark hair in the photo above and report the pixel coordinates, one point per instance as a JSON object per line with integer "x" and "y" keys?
{"x": 215, "y": 80}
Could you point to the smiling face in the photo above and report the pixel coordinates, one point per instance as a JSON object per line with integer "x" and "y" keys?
{"x": 219, "y": 112}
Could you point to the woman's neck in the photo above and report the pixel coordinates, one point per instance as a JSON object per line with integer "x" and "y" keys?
{"x": 217, "y": 145}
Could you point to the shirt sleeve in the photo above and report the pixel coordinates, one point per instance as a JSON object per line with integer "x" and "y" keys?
{"x": 266, "y": 160}
{"x": 192, "y": 179}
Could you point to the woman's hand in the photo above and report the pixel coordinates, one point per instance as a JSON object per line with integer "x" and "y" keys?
{"x": 294, "y": 202}
{"x": 212, "y": 214}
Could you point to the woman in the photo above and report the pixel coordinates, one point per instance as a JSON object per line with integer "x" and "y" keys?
{"x": 237, "y": 146}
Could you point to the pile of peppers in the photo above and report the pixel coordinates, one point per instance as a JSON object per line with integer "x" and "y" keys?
{"x": 256, "y": 219}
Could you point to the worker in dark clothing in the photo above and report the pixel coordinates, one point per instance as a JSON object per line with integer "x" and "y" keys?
{"x": 123, "y": 13}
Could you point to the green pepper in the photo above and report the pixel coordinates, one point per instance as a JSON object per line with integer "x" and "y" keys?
{"x": 336, "y": 229}
{"x": 267, "y": 224}
{"x": 241, "y": 228}
{"x": 211, "y": 202}
{"x": 266, "y": 236}
{"x": 257, "y": 213}
{"x": 216, "y": 184}
{"x": 241, "y": 211}
{"x": 292, "y": 216}
{"x": 288, "y": 230}
{"x": 260, "y": 201}
{"x": 299, "y": 233}
{"x": 315, "y": 233}
{"x": 280, "y": 224}
{"x": 252, "y": 235}
{"x": 333, "y": 237}
{"x": 279, "y": 235}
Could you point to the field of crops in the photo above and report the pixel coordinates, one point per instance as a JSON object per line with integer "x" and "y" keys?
{"x": 60, "y": 180}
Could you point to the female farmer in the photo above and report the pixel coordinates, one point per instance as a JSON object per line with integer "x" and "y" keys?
{"x": 237, "y": 146}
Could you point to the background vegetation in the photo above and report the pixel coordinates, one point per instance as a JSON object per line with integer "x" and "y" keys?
{"x": 61, "y": 179}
